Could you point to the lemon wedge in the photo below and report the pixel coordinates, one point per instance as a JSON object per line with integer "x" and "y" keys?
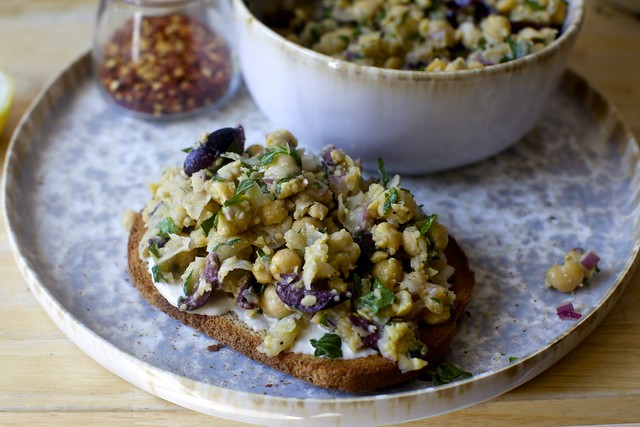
{"x": 6, "y": 96}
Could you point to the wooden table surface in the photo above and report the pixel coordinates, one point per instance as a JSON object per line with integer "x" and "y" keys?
{"x": 46, "y": 380}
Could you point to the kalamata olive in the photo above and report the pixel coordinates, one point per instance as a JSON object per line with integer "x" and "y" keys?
{"x": 364, "y": 240}
{"x": 247, "y": 297}
{"x": 158, "y": 241}
{"x": 292, "y": 292}
{"x": 371, "y": 334}
{"x": 195, "y": 300}
{"x": 211, "y": 269}
{"x": 210, "y": 275}
{"x": 481, "y": 10}
{"x": 216, "y": 143}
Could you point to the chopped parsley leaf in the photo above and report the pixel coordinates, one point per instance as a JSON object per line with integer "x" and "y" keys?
{"x": 379, "y": 297}
{"x": 534, "y": 5}
{"x": 282, "y": 181}
{"x": 187, "y": 288}
{"x": 167, "y": 226}
{"x": 428, "y": 223}
{"x": 391, "y": 200}
{"x": 263, "y": 256}
{"x": 329, "y": 345}
{"x": 243, "y": 187}
{"x": 271, "y": 154}
{"x": 208, "y": 224}
{"x": 447, "y": 373}
{"x": 156, "y": 273}
{"x": 227, "y": 243}
{"x": 187, "y": 150}
{"x": 384, "y": 178}
{"x": 153, "y": 248}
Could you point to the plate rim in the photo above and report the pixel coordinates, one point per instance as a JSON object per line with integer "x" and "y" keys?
{"x": 230, "y": 403}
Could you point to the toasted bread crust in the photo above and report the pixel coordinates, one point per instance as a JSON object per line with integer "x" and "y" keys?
{"x": 351, "y": 375}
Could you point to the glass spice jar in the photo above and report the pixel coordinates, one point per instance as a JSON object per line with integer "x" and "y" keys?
{"x": 165, "y": 58}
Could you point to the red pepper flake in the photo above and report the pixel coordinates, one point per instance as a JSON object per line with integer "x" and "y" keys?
{"x": 172, "y": 64}
{"x": 567, "y": 311}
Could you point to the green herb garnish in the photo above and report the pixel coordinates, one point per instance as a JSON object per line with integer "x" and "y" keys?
{"x": 282, "y": 181}
{"x": 187, "y": 288}
{"x": 512, "y": 359}
{"x": 428, "y": 223}
{"x": 482, "y": 43}
{"x": 329, "y": 345}
{"x": 534, "y": 5}
{"x": 167, "y": 227}
{"x": 227, "y": 243}
{"x": 243, "y": 186}
{"x": 157, "y": 275}
{"x": 384, "y": 178}
{"x": 447, "y": 373}
{"x": 208, "y": 224}
{"x": 187, "y": 150}
{"x": 391, "y": 200}
{"x": 324, "y": 320}
{"x": 153, "y": 248}
{"x": 519, "y": 49}
{"x": 271, "y": 153}
{"x": 379, "y": 297}
{"x": 263, "y": 256}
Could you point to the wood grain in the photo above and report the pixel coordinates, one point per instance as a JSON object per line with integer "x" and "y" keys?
{"x": 46, "y": 380}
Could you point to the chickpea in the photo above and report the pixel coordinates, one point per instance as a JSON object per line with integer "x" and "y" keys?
{"x": 261, "y": 271}
{"x": 413, "y": 242}
{"x": 378, "y": 256}
{"x": 567, "y": 277}
{"x": 281, "y": 167}
{"x": 439, "y": 236}
{"x": 389, "y": 272}
{"x": 396, "y": 205}
{"x": 272, "y": 305}
{"x": 285, "y": 261}
{"x": 343, "y": 251}
{"x": 302, "y": 222}
{"x": 365, "y": 10}
{"x": 281, "y": 137}
{"x": 387, "y": 237}
{"x": 505, "y": 6}
{"x": 495, "y": 28}
{"x": 273, "y": 213}
{"x": 255, "y": 149}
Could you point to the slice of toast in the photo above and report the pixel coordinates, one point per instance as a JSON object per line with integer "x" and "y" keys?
{"x": 351, "y": 375}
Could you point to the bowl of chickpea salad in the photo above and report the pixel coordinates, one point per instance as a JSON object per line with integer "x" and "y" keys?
{"x": 429, "y": 85}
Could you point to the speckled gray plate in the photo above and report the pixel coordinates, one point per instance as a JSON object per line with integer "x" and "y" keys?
{"x": 75, "y": 167}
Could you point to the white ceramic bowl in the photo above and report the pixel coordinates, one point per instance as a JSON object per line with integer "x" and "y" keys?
{"x": 418, "y": 122}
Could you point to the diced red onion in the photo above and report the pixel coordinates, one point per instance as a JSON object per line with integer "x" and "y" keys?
{"x": 567, "y": 311}
{"x": 564, "y": 308}
{"x": 590, "y": 261}
{"x": 570, "y": 315}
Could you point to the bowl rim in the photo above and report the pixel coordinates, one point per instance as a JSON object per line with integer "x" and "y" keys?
{"x": 573, "y": 22}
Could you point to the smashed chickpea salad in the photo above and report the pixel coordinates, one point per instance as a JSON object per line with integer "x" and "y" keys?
{"x": 430, "y": 35}
{"x": 299, "y": 245}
